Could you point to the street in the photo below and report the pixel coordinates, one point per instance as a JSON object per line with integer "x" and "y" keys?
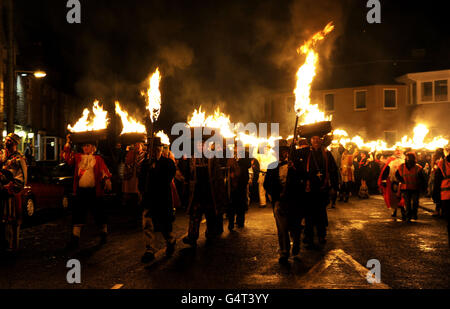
{"x": 412, "y": 255}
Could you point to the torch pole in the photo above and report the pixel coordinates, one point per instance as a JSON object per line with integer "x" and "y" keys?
{"x": 150, "y": 127}
{"x": 294, "y": 139}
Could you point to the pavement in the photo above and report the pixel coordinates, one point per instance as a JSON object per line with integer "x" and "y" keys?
{"x": 411, "y": 255}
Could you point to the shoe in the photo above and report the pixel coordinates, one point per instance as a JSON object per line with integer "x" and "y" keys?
{"x": 322, "y": 240}
{"x": 188, "y": 241}
{"x": 74, "y": 243}
{"x": 415, "y": 217}
{"x": 103, "y": 239}
{"x": 147, "y": 257}
{"x": 394, "y": 214}
{"x": 283, "y": 260}
{"x": 262, "y": 206}
{"x": 333, "y": 205}
{"x": 170, "y": 249}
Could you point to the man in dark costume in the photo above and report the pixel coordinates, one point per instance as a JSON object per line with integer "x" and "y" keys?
{"x": 283, "y": 183}
{"x": 207, "y": 193}
{"x": 320, "y": 178}
{"x": 155, "y": 179}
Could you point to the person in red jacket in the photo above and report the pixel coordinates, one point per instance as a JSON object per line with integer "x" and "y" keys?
{"x": 91, "y": 179}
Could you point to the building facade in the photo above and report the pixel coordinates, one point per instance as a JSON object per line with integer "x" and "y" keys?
{"x": 380, "y": 111}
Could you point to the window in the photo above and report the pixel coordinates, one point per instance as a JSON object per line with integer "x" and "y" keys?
{"x": 427, "y": 91}
{"x": 329, "y": 102}
{"x": 360, "y": 100}
{"x": 390, "y": 137}
{"x": 440, "y": 90}
{"x": 390, "y": 98}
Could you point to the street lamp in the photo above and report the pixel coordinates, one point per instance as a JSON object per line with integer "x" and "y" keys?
{"x": 37, "y": 74}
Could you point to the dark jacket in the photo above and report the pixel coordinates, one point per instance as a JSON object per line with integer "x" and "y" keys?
{"x": 315, "y": 170}
{"x": 155, "y": 181}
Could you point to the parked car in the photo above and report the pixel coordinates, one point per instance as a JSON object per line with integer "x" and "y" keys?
{"x": 49, "y": 186}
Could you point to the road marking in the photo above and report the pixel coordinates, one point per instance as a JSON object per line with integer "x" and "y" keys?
{"x": 117, "y": 287}
{"x": 308, "y": 280}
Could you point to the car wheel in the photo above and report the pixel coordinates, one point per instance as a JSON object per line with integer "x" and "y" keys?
{"x": 65, "y": 202}
{"x": 29, "y": 207}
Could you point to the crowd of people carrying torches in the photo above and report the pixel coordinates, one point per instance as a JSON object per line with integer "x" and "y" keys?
{"x": 305, "y": 180}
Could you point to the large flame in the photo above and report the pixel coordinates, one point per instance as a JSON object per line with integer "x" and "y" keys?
{"x": 130, "y": 125}
{"x": 308, "y": 112}
{"x": 416, "y": 142}
{"x": 153, "y": 96}
{"x": 216, "y": 121}
{"x": 164, "y": 137}
{"x": 86, "y": 123}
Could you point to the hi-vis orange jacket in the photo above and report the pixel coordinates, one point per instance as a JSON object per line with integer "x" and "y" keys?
{"x": 410, "y": 177}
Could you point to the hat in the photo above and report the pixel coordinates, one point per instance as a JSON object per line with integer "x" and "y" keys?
{"x": 16, "y": 138}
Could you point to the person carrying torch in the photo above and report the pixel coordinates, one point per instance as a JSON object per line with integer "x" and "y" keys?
{"x": 155, "y": 181}
{"x": 321, "y": 178}
{"x": 91, "y": 179}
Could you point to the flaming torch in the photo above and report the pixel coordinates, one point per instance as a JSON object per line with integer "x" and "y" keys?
{"x": 309, "y": 113}
{"x": 89, "y": 129}
{"x": 133, "y": 131}
{"x": 153, "y": 98}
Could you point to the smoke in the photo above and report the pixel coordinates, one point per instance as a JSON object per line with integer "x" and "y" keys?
{"x": 231, "y": 54}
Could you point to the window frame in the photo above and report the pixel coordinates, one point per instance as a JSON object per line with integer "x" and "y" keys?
{"x": 432, "y": 91}
{"x": 355, "y": 108}
{"x": 384, "y": 99}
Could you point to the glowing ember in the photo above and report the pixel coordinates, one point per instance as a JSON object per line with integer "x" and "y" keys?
{"x": 153, "y": 96}
{"x": 305, "y": 75}
{"x": 164, "y": 137}
{"x": 86, "y": 123}
{"x": 130, "y": 125}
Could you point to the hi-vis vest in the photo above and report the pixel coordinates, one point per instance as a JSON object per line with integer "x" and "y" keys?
{"x": 411, "y": 177}
{"x": 445, "y": 185}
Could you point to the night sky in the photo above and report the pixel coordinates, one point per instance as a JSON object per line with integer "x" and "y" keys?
{"x": 223, "y": 53}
